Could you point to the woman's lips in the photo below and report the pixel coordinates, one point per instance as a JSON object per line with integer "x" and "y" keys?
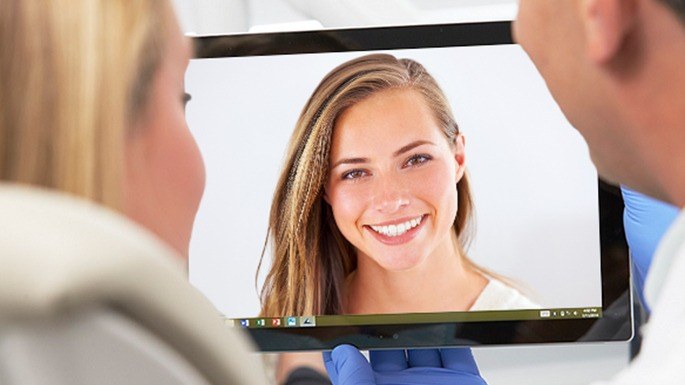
{"x": 399, "y": 232}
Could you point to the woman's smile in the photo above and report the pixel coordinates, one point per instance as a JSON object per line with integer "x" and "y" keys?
{"x": 398, "y": 231}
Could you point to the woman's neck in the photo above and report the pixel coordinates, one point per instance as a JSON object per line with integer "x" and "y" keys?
{"x": 441, "y": 283}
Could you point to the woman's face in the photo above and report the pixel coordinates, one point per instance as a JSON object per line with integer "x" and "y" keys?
{"x": 392, "y": 180}
{"x": 165, "y": 175}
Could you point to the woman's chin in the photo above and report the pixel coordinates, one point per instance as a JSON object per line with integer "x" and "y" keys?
{"x": 399, "y": 263}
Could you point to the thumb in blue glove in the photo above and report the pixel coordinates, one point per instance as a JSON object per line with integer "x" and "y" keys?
{"x": 347, "y": 366}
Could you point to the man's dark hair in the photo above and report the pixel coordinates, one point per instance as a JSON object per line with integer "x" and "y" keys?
{"x": 678, "y": 6}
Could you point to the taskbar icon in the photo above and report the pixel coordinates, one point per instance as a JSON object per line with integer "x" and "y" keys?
{"x": 307, "y": 321}
{"x": 291, "y": 322}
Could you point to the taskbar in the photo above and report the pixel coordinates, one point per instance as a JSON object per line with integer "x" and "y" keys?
{"x": 416, "y": 318}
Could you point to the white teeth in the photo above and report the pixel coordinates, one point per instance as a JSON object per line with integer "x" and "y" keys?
{"x": 396, "y": 230}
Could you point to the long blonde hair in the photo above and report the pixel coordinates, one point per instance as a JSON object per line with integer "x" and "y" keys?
{"x": 311, "y": 258}
{"x": 75, "y": 75}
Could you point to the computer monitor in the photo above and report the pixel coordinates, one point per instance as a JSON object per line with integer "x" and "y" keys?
{"x": 544, "y": 225}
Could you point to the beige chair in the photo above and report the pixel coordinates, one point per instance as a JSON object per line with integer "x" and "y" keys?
{"x": 87, "y": 297}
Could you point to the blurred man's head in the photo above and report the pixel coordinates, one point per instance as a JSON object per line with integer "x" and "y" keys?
{"x": 615, "y": 68}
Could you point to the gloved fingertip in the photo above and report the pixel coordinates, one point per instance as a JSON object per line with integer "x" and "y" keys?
{"x": 347, "y": 365}
{"x": 330, "y": 367}
{"x": 343, "y": 349}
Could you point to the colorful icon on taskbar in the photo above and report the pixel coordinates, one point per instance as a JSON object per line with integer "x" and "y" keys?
{"x": 291, "y": 322}
{"x": 260, "y": 322}
{"x": 275, "y": 322}
{"x": 245, "y": 323}
{"x": 308, "y": 321}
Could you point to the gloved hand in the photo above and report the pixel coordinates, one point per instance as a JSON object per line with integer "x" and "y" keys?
{"x": 455, "y": 366}
{"x": 645, "y": 221}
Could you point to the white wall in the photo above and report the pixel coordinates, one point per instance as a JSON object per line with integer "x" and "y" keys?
{"x": 205, "y": 17}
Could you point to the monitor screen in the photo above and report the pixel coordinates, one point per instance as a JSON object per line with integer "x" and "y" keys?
{"x": 535, "y": 229}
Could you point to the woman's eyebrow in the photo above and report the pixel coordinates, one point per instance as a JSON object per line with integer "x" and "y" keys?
{"x": 411, "y": 146}
{"x": 399, "y": 152}
{"x": 350, "y": 161}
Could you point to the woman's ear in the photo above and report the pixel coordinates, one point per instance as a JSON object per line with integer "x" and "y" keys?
{"x": 606, "y": 25}
{"x": 325, "y": 195}
{"x": 459, "y": 156}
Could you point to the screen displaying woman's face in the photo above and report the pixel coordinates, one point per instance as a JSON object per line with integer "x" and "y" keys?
{"x": 536, "y": 217}
{"x": 392, "y": 180}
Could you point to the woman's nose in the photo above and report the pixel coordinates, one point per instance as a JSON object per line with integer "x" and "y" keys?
{"x": 390, "y": 195}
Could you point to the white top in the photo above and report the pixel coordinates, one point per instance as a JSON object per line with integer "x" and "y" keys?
{"x": 662, "y": 355}
{"x": 499, "y": 296}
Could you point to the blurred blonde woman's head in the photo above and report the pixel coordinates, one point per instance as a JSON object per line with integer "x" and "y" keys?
{"x": 77, "y": 79}
{"x": 311, "y": 258}
{"x": 56, "y": 60}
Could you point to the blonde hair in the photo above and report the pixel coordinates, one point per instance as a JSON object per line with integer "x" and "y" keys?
{"x": 311, "y": 258}
{"x": 75, "y": 76}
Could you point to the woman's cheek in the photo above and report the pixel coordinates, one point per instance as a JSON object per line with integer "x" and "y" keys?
{"x": 436, "y": 182}
{"x": 348, "y": 204}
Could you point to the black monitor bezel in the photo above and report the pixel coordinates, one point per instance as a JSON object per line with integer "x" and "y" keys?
{"x": 616, "y": 323}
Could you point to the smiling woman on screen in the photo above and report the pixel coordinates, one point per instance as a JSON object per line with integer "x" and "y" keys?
{"x": 373, "y": 208}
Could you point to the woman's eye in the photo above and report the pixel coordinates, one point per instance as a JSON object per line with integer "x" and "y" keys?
{"x": 353, "y": 174}
{"x": 417, "y": 160}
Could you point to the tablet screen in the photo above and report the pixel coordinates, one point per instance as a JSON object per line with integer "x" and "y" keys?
{"x": 533, "y": 260}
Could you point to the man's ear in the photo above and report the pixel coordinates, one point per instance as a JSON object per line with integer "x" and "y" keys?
{"x": 460, "y": 155}
{"x": 606, "y": 24}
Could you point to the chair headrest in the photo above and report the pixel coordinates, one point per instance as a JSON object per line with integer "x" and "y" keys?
{"x": 59, "y": 254}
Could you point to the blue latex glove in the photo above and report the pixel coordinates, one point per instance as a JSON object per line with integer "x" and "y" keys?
{"x": 645, "y": 221}
{"x": 347, "y": 366}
